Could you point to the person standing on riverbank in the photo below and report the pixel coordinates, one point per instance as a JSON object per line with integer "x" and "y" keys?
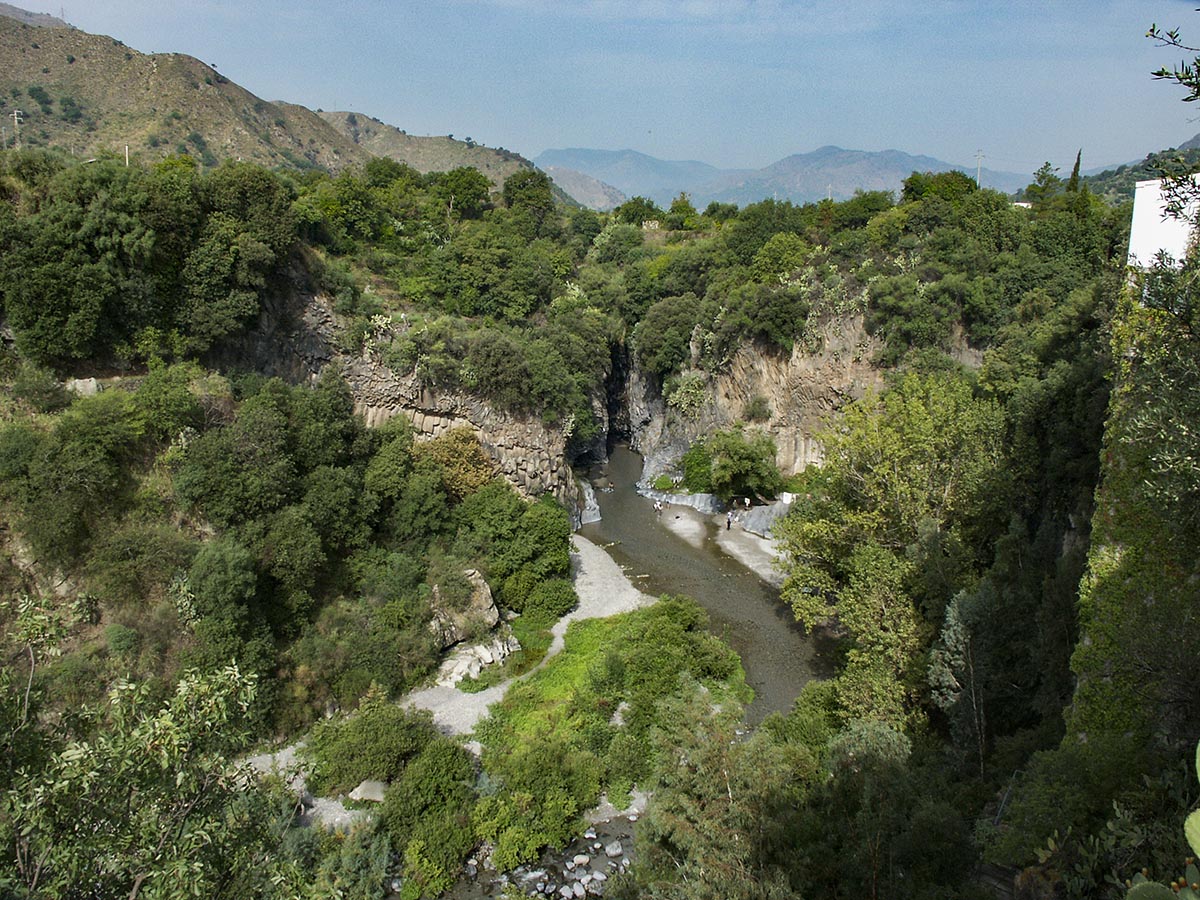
{"x": 728, "y": 520}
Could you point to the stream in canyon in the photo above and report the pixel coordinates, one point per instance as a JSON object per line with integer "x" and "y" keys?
{"x": 779, "y": 658}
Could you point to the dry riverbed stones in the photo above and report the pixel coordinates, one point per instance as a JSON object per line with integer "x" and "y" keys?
{"x": 581, "y": 869}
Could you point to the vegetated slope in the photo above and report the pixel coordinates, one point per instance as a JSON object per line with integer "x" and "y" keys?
{"x": 313, "y": 545}
{"x": 425, "y": 153}
{"x": 90, "y": 94}
{"x": 591, "y": 192}
{"x": 1116, "y": 185}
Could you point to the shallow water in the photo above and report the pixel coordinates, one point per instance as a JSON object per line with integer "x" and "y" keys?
{"x": 779, "y": 658}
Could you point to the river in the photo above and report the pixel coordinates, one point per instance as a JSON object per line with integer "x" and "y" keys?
{"x": 779, "y": 658}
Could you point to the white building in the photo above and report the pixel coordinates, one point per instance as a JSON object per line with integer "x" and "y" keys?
{"x": 1152, "y": 230}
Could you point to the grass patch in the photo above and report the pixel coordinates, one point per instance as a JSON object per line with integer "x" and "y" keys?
{"x": 552, "y": 745}
{"x": 533, "y": 633}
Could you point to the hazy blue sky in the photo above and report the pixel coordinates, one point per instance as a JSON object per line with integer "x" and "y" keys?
{"x": 731, "y": 82}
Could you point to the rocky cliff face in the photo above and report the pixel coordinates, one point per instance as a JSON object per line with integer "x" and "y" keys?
{"x": 801, "y": 392}
{"x": 295, "y": 338}
{"x": 529, "y": 455}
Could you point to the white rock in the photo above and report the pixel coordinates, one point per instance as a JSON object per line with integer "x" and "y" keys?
{"x": 369, "y": 790}
{"x": 83, "y": 387}
{"x": 582, "y": 860}
{"x": 578, "y": 889}
{"x": 599, "y": 876}
{"x": 566, "y": 891}
{"x": 613, "y": 850}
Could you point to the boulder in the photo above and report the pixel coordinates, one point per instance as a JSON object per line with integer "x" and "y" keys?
{"x": 371, "y": 791}
{"x": 451, "y": 626}
{"x": 83, "y": 387}
{"x": 613, "y": 850}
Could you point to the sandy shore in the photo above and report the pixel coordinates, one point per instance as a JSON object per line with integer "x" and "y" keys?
{"x": 758, "y": 554}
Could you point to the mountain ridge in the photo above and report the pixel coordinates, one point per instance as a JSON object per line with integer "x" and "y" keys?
{"x": 828, "y": 171}
{"x": 92, "y": 95}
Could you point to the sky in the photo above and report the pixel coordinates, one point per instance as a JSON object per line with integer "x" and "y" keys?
{"x": 735, "y": 83}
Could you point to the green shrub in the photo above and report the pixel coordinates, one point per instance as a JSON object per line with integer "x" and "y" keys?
{"x": 517, "y": 587}
{"x": 121, "y": 639}
{"x": 40, "y": 389}
{"x": 374, "y": 743}
{"x": 757, "y": 410}
{"x": 552, "y": 599}
{"x": 427, "y": 814}
{"x": 697, "y": 469}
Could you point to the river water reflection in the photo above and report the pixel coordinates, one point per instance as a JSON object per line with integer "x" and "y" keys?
{"x": 779, "y": 658}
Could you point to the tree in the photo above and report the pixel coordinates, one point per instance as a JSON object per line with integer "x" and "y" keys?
{"x": 531, "y": 192}
{"x": 886, "y": 533}
{"x": 148, "y": 802}
{"x": 662, "y": 337}
{"x": 637, "y": 210}
{"x": 743, "y": 464}
{"x": 223, "y": 276}
{"x": 952, "y": 186}
{"x": 717, "y": 824}
{"x": 1046, "y": 184}
{"x": 464, "y": 192}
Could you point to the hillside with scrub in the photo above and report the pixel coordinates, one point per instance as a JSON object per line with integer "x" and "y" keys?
{"x": 90, "y": 95}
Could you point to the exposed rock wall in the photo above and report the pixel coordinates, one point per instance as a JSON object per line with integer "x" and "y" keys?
{"x": 803, "y": 391}
{"x": 296, "y": 337}
{"x": 529, "y": 455}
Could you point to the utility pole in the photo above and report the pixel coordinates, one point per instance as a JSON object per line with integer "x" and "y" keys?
{"x": 16, "y": 117}
{"x": 978, "y": 167}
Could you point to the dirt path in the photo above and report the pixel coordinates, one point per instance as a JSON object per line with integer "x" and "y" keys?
{"x": 603, "y": 591}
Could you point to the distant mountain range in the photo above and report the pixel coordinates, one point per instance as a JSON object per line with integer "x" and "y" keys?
{"x": 586, "y": 190}
{"x": 801, "y": 178}
{"x": 90, "y": 95}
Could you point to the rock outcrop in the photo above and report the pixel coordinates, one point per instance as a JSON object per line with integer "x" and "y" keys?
{"x": 452, "y": 626}
{"x": 531, "y": 456}
{"x": 469, "y": 662}
{"x": 296, "y": 337}
{"x": 802, "y": 392}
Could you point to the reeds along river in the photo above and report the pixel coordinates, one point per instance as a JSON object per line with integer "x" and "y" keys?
{"x": 779, "y": 658}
